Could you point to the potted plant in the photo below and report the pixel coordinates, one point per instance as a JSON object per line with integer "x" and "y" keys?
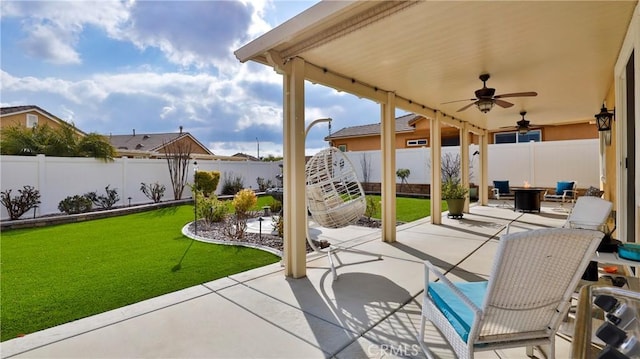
{"x": 455, "y": 195}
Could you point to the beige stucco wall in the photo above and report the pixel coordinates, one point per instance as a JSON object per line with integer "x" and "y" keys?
{"x": 576, "y": 131}
{"x": 20, "y": 119}
{"x": 372, "y": 142}
{"x": 609, "y": 186}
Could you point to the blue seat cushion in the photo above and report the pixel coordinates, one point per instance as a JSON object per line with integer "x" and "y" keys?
{"x": 457, "y": 313}
{"x": 562, "y": 186}
{"x": 502, "y": 186}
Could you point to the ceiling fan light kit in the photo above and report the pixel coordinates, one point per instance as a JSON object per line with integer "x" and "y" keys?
{"x": 485, "y": 99}
{"x": 484, "y": 105}
{"x": 523, "y": 125}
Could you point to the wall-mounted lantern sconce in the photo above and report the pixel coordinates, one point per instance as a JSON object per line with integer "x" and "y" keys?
{"x": 603, "y": 121}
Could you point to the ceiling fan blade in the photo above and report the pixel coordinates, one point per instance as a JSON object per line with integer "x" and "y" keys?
{"x": 466, "y": 107}
{"x": 517, "y": 94}
{"x": 502, "y": 103}
{"x": 444, "y": 103}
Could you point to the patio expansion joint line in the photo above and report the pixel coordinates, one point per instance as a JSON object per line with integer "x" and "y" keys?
{"x": 285, "y": 303}
{"x": 493, "y": 236}
{"x": 293, "y": 307}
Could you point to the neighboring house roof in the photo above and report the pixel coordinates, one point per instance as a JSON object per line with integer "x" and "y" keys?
{"x": 15, "y": 110}
{"x": 149, "y": 142}
{"x": 403, "y": 124}
{"x": 245, "y": 156}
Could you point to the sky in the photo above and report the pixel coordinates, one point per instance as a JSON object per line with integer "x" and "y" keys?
{"x": 114, "y": 66}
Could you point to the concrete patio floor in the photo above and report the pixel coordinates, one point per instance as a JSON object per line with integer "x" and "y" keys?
{"x": 371, "y": 311}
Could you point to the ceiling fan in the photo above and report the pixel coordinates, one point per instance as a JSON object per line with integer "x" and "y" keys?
{"x": 485, "y": 98}
{"x": 523, "y": 126}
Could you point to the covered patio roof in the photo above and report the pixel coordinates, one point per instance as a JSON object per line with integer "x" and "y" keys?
{"x": 433, "y": 52}
{"x": 418, "y": 55}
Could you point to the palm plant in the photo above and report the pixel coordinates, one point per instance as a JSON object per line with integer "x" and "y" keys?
{"x": 60, "y": 142}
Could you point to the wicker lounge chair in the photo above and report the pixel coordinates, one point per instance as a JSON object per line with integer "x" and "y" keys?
{"x": 523, "y": 302}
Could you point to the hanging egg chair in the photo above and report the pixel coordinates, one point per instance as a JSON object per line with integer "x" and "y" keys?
{"x": 335, "y": 197}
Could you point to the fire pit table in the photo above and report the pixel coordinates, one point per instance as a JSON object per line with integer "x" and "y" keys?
{"x": 527, "y": 199}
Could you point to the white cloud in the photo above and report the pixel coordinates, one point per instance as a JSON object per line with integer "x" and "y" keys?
{"x": 53, "y": 28}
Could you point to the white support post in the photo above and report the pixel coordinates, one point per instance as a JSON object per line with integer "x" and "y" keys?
{"x": 295, "y": 211}
{"x": 388, "y": 145}
{"x": 484, "y": 169}
{"x": 464, "y": 161}
{"x": 436, "y": 170}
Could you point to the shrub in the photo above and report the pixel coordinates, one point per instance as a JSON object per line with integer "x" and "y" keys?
{"x": 373, "y": 207}
{"x": 206, "y": 181}
{"x": 452, "y": 189}
{"x": 104, "y": 202}
{"x": 210, "y": 208}
{"x": 153, "y": 191}
{"x": 242, "y": 203}
{"x": 17, "y": 206}
{"x": 275, "y": 206}
{"x": 278, "y": 225}
{"x": 75, "y": 204}
{"x": 232, "y": 184}
{"x": 264, "y": 185}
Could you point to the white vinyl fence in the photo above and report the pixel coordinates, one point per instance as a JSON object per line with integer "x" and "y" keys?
{"x": 59, "y": 177}
{"x": 539, "y": 163}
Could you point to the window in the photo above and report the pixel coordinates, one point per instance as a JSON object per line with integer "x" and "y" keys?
{"x": 32, "y": 120}
{"x": 342, "y": 148}
{"x": 514, "y": 137}
{"x": 419, "y": 142}
{"x": 450, "y": 141}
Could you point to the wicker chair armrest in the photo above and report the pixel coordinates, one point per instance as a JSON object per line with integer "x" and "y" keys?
{"x": 568, "y": 193}
{"x": 430, "y": 267}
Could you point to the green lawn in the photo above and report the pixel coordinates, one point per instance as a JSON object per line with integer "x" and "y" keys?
{"x": 53, "y": 275}
{"x": 57, "y": 274}
{"x": 411, "y": 209}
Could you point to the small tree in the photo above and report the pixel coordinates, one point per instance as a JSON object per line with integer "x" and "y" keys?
{"x": 177, "y": 154}
{"x": 450, "y": 168}
{"x": 153, "y": 191}
{"x": 373, "y": 207}
{"x": 365, "y": 164}
{"x": 17, "y": 206}
{"x": 403, "y": 174}
{"x": 206, "y": 181}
